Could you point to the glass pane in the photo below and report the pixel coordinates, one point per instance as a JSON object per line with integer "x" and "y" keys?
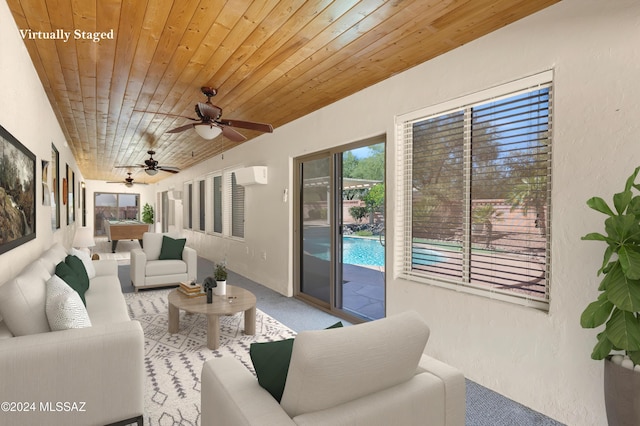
{"x": 362, "y": 256}
{"x": 128, "y": 208}
{"x": 510, "y": 193}
{"x": 105, "y": 207}
{"x": 438, "y": 195}
{"x": 315, "y": 278}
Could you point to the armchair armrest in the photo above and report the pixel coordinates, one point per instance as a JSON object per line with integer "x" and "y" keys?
{"x": 100, "y": 366}
{"x": 137, "y": 268}
{"x": 231, "y": 395}
{"x": 454, "y": 388}
{"x": 190, "y": 256}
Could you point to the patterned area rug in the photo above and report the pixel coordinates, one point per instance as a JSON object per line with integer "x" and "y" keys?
{"x": 174, "y": 361}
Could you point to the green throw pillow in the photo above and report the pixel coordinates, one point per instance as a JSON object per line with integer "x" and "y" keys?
{"x": 78, "y": 267}
{"x": 172, "y": 248}
{"x": 271, "y": 362}
{"x": 67, "y": 274}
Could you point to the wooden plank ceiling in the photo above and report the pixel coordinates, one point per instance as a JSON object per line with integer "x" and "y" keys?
{"x": 271, "y": 61}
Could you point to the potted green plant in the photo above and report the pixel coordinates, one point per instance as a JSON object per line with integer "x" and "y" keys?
{"x": 147, "y": 215}
{"x": 220, "y": 275}
{"x": 618, "y": 304}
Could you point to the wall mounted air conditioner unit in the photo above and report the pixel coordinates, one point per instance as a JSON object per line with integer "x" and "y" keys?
{"x": 174, "y": 195}
{"x": 251, "y": 175}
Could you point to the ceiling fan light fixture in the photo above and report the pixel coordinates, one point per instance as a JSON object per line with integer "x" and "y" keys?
{"x": 151, "y": 172}
{"x": 208, "y": 131}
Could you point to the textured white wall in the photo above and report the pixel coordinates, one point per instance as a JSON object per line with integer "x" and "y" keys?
{"x": 539, "y": 359}
{"x": 26, "y": 113}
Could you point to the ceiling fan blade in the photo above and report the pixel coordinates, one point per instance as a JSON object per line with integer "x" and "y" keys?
{"x": 261, "y": 127}
{"x": 181, "y": 128}
{"x": 168, "y": 169}
{"x": 128, "y": 167}
{"x": 209, "y": 110}
{"x": 233, "y": 134}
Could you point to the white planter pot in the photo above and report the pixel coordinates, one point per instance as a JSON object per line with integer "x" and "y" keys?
{"x": 220, "y": 289}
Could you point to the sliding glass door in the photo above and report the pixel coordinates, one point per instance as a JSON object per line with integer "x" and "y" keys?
{"x": 340, "y": 231}
{"x": 315, "y": 226}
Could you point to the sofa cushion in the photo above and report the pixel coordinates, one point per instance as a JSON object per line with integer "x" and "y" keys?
{"x": 51, "y": 257}
{"x": 22, "y": 301}
{"x": 271, "y": 363}
{"x": 152, "y": 244}
{"x": 105, "y": 301}
{"x": 172, "y": 248}
{"x": 331, "y": 367}
{"x": 156, "y": 268}
{"x": 86, "y": 261}
{"x": 64, "y": 307}
{"x": 64, "y": 271}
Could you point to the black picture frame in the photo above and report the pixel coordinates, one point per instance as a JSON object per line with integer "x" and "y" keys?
{"x": 55, "y": 188}
{"x": 17, "y": 184}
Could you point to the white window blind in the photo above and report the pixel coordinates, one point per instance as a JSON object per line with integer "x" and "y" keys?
{"x": 237, "y": 208}
{"x": 217, "y": 204}
{"x": 475, "y": 193}
{"x": 201, "y": 205}
{"x": 187, "y": 203}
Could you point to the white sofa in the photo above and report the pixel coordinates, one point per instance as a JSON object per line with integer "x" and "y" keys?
{"x": 78, "y": 376}
{"x": 147, "y": 270}
{"x": 367, "y": 374}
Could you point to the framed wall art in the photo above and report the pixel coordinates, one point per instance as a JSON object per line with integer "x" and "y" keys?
{"x": 70, "y": 182}
{"x": 17, "y": 191}
{"x": 55, "y": 188}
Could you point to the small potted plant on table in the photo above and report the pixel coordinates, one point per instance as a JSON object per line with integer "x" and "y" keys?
{"x": 220, "y": 275}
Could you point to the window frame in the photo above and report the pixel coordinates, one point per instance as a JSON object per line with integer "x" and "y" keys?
{"x": 403, "y": 245}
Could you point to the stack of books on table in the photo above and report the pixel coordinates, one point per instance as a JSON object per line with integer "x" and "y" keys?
{"x": 191, "y": 290}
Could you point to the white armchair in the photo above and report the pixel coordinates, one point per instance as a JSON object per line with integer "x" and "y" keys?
{"x": 371, "y": 374}
{"x": 148, "y": 270}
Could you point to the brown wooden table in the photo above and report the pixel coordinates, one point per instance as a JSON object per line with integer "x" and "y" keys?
{"x": 236, "y": 300}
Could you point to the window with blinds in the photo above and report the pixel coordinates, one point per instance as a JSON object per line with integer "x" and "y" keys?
{"x": 476, "y": 191}
{"x": 237, "y": 208}
{"x": 201, "y": 205}
{"x": 187, "y": 220}
{"x": 217, "y": 204}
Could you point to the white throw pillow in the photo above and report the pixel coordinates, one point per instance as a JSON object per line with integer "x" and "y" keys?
{"x": 86, "y": 261}
{"x": 22, "y": 301}
{"x": 64, "y": 307}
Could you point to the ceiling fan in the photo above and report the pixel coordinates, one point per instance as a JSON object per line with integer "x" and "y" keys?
{"x": 210, "y": 122}
{"x": 151, "y": 166}
{"x": 128, "y": 182}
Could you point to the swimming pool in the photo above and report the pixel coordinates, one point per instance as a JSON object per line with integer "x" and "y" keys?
{"x": 366, "y": 252}
{"x": 356, "y": 250}
{"x": 362, "y": 251}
